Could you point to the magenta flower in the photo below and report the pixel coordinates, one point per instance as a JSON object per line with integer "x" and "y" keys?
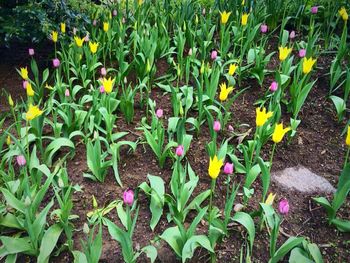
{"x": 228, "y": 168}
{"x": 302, "y": 53}
{"x": 21, "y": 160}
{"x": 292, "y": 34}
{"x": 31, "y": 52}
{"x": 67, "y": 93}
{"x": 103, "y": 71}
{"x": 56, "y": 62}
{"x": 128, "y": 197}
{"x": 179, "y": 150}
{"x": 214, "y": 55}
{"x": 273, "y": 86}
{"x": 263, "y": 28}
{"x": 217, "y": 126}
{"x": 314, "y": 9}
{"x": 283, "y": 207}
{"x": 24, "y": 84}
{"x": 159, "y": 113}
{"x": 102, "y": 89}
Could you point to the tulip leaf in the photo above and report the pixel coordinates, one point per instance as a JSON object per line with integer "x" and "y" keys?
{"x": 49, "y": 242}
{"x": 172, "y": 236}
{"x": 291, "y": 243}
{"x": 247, "y": 221}
{"x": 192, "y": 243}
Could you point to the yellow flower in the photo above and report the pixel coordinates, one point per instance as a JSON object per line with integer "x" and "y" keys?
{"x": 284, "y": 52}
{"x": 29, "y": 89}
{"x": 63, "y": 28}
{"x": 224, "y": 91}
{"x": 33, "y": 112}
{"x": 262, "y": 116}
{"x": 47, "y": 86}
{"x": 279, "y": 132}
{"x": 93, "y": 47}
{"x": 344, "y": 15}
{"x": 10, "y": 101}
{"x": 347, "y": 141}
{"x": 244, "y": 19}
{"x": 224, "y": 17}
{"x": 232, "y": 69}
{"x": 270, "y": 199}
{"x": 108, "y": 84}
{"x": 54, "y": 36}
{"x": 214, "y": 167}
{"x": 105, "y": 26}
{"x": 140, "y": 2}
{"x": 8, "y": 140}
{"x": 307, "y": 65}
{"x": 24, "y": 73}
{"x": 79, "y": 41}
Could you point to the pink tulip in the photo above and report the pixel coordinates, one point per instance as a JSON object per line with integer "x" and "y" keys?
{"x": 283, "y": 207}
{"x": 103, "y": 71}
{"x": 314, "y": 9}
{"x": 21, "y": 160}
{"x": 102, "y": 89}
{"x": 67, "y": 93}
{"x": 214, "y": 55}
{"x": 302, "y": 53}
{"x": 230, "y": 128}
{"x": 87, "y": 38}
{"x": 159, "y": 113}
{"x": 56, "y": 62}
{"x": 273, "y": 86}
{"x": 24, "y": 84}
{"x": 31, "y": 52}
{"x": 217, "y": 126}
{"x": 228, "y": 168}
{"x": 115, "y": 13}
{"x": 292, "y": 34}
{"x": 179, "y": 150}
{"x": 94, "y": 23}
{"x": 263, "y": 28}
{"x": 128, "y": 197}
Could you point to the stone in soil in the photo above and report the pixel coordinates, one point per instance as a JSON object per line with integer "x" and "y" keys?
{"x": 303, "y": 180}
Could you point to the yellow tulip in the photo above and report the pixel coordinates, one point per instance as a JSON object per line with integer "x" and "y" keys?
{"x": 10, "y": 101}
{"x": 224, "y": 91}
{"x": 307, "y": 65}
{"x": 33, "y": 112}
{"x": 284, "y": 52}
{"x": 63, "y": 28}
{"x": 214, "y": 167}
{"x": 29, "y": 89}
{"x": 270, "y": 199}
{"x": 93, "y": 47}
{"x": 347, "y": 141}
{"x": 79, "y": 41}
{"x": 108, "y": 84}
{"x": 24, "y": 73}
{"x": 224, "y": 17}
{"x": 244, "y": 19}
{"x": 262, "y": 116}
{"x": 232, "y": 69}
{"x": 8, "y": 140}
{"x": 140, "y": 2}
{"x": 54, "y": 36}
{"x": 279, "y": 132}
{"x": 344, "y": 15}
{"x": 105, "y": 26}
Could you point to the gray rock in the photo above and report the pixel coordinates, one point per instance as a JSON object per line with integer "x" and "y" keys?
{"x": 302, "y": 179}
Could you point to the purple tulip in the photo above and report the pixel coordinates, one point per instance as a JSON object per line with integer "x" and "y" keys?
{"x": 292, "y": 34}
{"x": 179, "y": 150}
{"x": 24, "y": 84}
{"x": 31, "y": 52}
{"x": 128, "y": 197}
{"x": 314, "y": 9}
{"x": 263, "y": 28}
{"x": 217, "y": 126}
{"x": 67, "y": 93}
{"x": 214, "y": 55}
{"x": 302, "y": 53}
{"x": 228, "y": 168}
{"x": 159, "y": 113}
{"x": 56, "y": 62}
{"x": 21, "y": 160}
{"x": 102, "y": 89}
{"x": 103, "y": 71}
{"x": 283, "y": 207}
{"x": 273, "y": 86}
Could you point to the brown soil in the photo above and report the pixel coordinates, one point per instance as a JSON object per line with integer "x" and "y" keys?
{"x": 318, "y": 145}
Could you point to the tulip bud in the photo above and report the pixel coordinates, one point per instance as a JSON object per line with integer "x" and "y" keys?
{"x": 217, "y": 126}
{"x": 115, "y": 13}
{"x": 128, "y": 197}
{"x": 67, "y": 93}
{"x": 230, "y": 128}
{"x": 292, "y": 34}
{"x": 27, "y": 201}
{"x": 56, "y": 62}
{"x": 314, "y": 9}
{"x": 181, "y": 110}
{"x": 228, "y": 168}
{"x": 179, "y": 150}
{"x": 159, "y": 113}
{"x": 196, "y": 19}
{"x": 273, "y": 86}
{"x": 8, "y": 140}
{"x": 102, "y": 89}
{"x": 263, "y": 28}
{"x": 302, "y": 53}
{"x": 31, "y": 52}
{"x": 86, "y": 229}
{"x": 10, "y": 101}
{"x": 214, "y": 55}
{"x": 283, "y": 207}
{"x": 21, "y": 160}
{"x": 103, "y": 71}
{"x": 202, "y": 68}
{"x": 94, "y": 23}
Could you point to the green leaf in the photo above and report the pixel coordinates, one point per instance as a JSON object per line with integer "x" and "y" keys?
{"x": 79, "y": 257}
{"x": 49, "y": 242}
{"x": 247, "y": 221}
{"x": 54, "y": 146}
{"x": 157, "y": 199}
{"x": 12, "y": 201}
{"x": 192, "y": 243}
{"x": 151, "y": 252}
{"x": 172, "y": 236}
{"x": 299, "y": 256}
{"x": 15, "y": 245}
{"x": 291, "y": 243}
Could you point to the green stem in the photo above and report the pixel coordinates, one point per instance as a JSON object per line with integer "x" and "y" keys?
{"x": 272, "y": 154}
{"x": 212, "y": 188}
{"x": 28, "y": 154}
{"x": 346, "y": 157}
